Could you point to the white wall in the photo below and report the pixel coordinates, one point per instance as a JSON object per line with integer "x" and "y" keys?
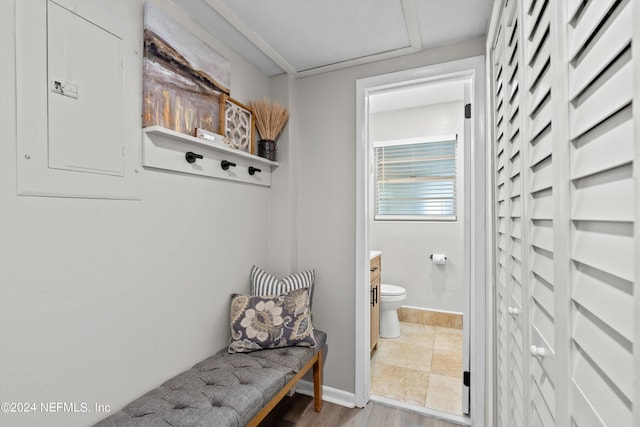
{"x": 325, "y": 133}
{"x": 101, "y": 300}
{"x": 282, "y": 202}
{"x": 406, "y": 245}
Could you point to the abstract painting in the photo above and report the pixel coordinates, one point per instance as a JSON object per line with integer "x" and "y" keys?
{"x": 183, "y": 78}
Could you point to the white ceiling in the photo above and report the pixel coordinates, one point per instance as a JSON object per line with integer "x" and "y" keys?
{"x": 303, "y": 37}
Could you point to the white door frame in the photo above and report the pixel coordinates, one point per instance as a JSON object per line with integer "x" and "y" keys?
{"x": 474, "y": 228}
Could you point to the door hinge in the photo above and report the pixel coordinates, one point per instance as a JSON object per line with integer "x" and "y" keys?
{"x": 466, "y": 378}
{"x": 467, "y": 111}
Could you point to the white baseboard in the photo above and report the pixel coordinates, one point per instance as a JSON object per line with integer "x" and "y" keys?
{"x": 329, "y": 394}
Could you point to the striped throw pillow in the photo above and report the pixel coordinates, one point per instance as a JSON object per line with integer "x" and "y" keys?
{"x": 265, "y": 284}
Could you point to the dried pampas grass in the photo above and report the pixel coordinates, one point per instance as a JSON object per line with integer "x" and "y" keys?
{"x": 271, "y": 117}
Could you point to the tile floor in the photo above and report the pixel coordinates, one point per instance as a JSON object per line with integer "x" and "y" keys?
{"x": 422, "y": 367}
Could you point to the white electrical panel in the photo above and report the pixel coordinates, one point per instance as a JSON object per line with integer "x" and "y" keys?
{"x": 85, "y": 97}
{"x": 78, "y": 129}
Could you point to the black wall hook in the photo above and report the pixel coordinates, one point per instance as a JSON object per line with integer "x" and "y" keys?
{"x": 191, "y": 157}
{"x": 253, "y": 170}
{"x": 225, "y": 164}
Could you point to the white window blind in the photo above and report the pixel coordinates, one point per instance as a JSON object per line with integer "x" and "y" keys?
{"x": 416, "y": 179}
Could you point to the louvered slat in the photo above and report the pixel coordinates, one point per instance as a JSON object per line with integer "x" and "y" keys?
{"x": 542, "y": 292}
{"x": 542, "y": 265}
{"x": 596, "y": 286}
{"x": 542, "y": 321}
{"x": 603, "y": 52}
{"x": 582, "y": 411}
{"x": 606, "y": 146}
{"x": 540, "y": 91}
{"x": 542, "y": 175}
{"x": 540, "y": 33}
{"x": 606, "y": 349}
{"x": 542, "y": 235}
{"x": 545, "y": 387}
{"x": 539, "y": 403}
{"x": 515, "y": 168}
{"x": 542, "y": 205}
{"x": 540, "y": 147}
{"x": 610, "y": 95}
{"x": 606, "y": 246}
{"x": 516, "y": 228}
{"x": 586, "y": 24}
{"x": 516, "y": 254}
{"x": 595, "y": 196}
{"x": 597, "y": 393}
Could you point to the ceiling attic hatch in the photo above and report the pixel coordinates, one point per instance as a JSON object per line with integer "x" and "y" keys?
{"x": 305, "y": 37}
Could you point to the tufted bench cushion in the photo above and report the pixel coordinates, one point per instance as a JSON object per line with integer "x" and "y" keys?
{"x": 223, "y": 390}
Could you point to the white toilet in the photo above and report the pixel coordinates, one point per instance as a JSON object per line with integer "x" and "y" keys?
{"x": 391, "y": 298}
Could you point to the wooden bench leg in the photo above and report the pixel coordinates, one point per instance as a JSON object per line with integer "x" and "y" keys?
{"x": 317, "y": 382}
{"x": 316, "y": 363}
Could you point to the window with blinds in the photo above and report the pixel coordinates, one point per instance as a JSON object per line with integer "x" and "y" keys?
{"x": 415, "y": 180}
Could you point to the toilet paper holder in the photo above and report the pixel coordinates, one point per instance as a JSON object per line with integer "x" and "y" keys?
{"x": 439, "y": 259}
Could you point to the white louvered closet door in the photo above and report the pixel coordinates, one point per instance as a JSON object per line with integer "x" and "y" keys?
{"x": 541, "y": 198}
{"x": 602, "y": 212}
{"x": 501, "y": 227}
{"x": 566, "y": 200}
{"x": 518, "y": 369}
{"x": 510, "y": 296}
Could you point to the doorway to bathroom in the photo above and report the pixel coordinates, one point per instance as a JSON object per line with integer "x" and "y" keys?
{"x": 416, "y": 229}
{"x": 426, "y": 112}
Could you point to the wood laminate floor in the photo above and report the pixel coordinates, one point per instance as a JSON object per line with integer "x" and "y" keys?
{"x": 298, "y": 411}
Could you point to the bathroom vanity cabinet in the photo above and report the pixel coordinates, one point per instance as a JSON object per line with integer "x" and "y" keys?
{"x": 376, "y": 264}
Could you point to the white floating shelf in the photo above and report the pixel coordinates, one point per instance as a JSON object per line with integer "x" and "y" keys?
{"x": 166, "y": 149}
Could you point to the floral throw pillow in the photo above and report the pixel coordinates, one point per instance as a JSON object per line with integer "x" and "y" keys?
{"x": 261, "y": 322}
